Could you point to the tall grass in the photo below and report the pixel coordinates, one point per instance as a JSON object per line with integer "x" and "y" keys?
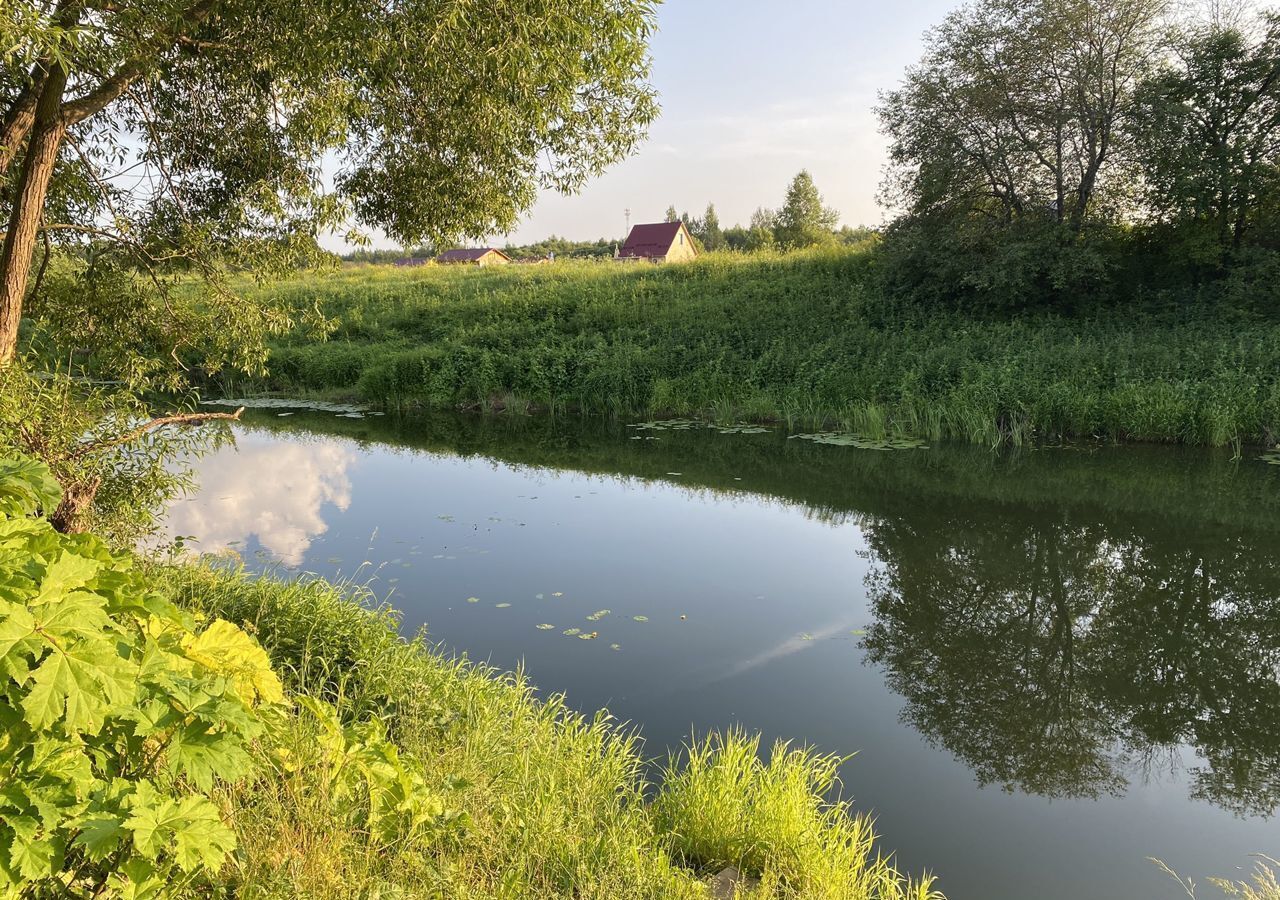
{"x": 555, "y": 802}
{"x": 806, "y": 338}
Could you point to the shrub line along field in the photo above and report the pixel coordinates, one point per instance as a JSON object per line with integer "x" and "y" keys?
{"x": 807, "y": 338}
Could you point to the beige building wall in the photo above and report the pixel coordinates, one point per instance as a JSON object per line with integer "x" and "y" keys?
{"x": 682, "y": 247}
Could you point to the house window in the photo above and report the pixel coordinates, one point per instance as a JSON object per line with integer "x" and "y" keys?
{"x": 682, "y": 237}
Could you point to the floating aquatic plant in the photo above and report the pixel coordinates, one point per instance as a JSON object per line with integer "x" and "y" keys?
{"x": 545, "y": 627}
{"x": 599, "y": 614}
{"x": 570, "y": 632}
{"x": 861, "y": 442}
{"x": 342, "y": 409}
{"x": 502, "y": 606}
{"x": 640, "y": 618}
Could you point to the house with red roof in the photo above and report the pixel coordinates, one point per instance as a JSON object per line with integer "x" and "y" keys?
{"x": 660, "y": 242}
{"x": 478, "y": 256}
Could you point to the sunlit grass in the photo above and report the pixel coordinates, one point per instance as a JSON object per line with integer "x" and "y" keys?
{"x": 555, "y": 801}
{"x": 806, "y": 339}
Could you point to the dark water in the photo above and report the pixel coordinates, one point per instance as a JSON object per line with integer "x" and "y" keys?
{"x": 1051, "y": 665}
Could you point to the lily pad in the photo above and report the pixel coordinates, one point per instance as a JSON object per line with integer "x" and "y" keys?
{"x": 640, "y": 618}
{"x": 558, "y": 594}
{"x": 285, "y": 403}
{"x": 502, "y": 606}
{"x": 473, "y": 599}
{"x": 668, "y": 425}
{"x": 861, "y": 442}
{"x": 545, "y": 627}
{"x": 599, "y": 614}
{"x": 570, "y": 632}
{"x": 589, "y": 636}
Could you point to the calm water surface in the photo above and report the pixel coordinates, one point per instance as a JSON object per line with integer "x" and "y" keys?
{"x": 1051, "y": 665}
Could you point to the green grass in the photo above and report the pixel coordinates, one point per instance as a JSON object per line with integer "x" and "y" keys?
{"x": 556, "y": 804}
{"x": 805, "y": 338}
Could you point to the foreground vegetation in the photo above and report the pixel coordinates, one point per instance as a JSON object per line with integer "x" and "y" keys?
{"x": 808, "y": 338}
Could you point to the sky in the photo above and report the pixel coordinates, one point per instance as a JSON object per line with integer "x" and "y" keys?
{"x": 753, "y": 91}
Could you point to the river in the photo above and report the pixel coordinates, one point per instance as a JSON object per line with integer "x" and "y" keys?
{"x": 1050, "y": 664}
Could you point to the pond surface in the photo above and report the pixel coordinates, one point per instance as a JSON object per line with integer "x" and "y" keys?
{"x": 1051, "y": 664}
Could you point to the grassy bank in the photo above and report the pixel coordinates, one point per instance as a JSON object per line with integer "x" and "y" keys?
{"x": 806, "y": 338}
{"x": 544, "y": 803}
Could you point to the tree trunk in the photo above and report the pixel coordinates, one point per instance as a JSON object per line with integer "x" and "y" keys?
{"x": 17, "y": 122}
{"x": 47, "y": 132}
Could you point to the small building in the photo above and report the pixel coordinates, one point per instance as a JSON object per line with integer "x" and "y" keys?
{"x": 660, "y": 242}
{"x": 477, "y": 256}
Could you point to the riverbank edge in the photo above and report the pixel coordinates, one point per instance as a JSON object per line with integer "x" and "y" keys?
{"x": 558, "y": 804}
{"x": 806, "y": 339}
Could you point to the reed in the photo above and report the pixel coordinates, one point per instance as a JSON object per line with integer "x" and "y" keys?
{"x": 807, "y": 338}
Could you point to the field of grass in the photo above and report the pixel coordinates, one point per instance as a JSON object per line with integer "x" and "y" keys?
{"x": 805, "y": 338}
{"x": 546, "y": 803}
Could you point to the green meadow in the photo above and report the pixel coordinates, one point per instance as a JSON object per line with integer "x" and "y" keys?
{"x": 807, "y": 338}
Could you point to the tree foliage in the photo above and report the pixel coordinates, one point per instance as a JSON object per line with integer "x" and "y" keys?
{"x": 1208, "y": 130}
{"x": 196, "y": 136}
{"x": 803, "y": 220}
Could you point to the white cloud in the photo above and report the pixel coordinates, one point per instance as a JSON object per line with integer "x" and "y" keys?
{"x": 275, "y": 492}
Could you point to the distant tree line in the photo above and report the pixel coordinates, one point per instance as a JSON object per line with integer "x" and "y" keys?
{"x": 1057, "y": 152}
{"x": 803, "y": 220}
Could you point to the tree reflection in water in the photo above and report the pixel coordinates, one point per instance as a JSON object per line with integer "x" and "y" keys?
{"x": 1062, "y": 656}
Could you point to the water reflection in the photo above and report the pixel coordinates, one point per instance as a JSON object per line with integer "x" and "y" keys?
{"x": 1064, "y": 656}
{"x": 267, "y": 490}
{"x": 1066, "y": 623}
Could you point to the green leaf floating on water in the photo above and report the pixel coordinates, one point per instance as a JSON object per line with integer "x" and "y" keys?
{"x": 668, "y": 425}
{"x": 570, "y": 632}
{"x": 502, "y": 606}
{"x": 861, "y": 442}
{"x": 473, "y": 599}
{"x": 544, "y": 627}
{"x": 640, "y": 618}
{"x": 599, "y": 614}
{"x": 589, "y": 636}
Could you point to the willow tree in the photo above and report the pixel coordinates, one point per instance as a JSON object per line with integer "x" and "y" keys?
{"x": 151, "y": 140}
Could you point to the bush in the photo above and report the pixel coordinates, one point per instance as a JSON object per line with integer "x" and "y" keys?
{"x": 120, "y": 715}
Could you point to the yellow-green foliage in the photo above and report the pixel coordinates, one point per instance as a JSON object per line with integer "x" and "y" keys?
{"x": 118, "y": 716}
{"x": 806, "y": 337}
{"x": 548, "y": 803}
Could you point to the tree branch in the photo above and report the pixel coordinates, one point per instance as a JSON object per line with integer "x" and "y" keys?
{"x": 105, "y": 93}
{"x": 135, "y": 433}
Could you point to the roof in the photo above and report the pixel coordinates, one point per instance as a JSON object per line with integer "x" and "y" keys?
{"x": 469, "y": 254}
{"x": 651, "y": 240}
